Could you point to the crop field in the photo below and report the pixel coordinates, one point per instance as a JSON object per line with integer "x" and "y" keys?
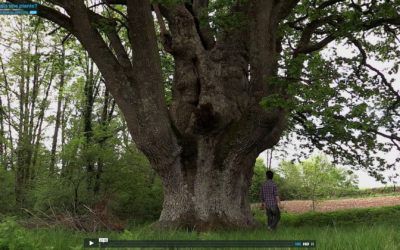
{"x": 301, "y": 206}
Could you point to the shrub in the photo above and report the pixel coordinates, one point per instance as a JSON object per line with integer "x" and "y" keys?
{"x": 14, "y": 237}
{"x": 137, "y": 191}
{"x": 7, "y": 194}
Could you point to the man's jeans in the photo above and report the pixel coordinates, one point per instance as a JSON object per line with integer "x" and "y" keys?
{"x": 273, "y": 215}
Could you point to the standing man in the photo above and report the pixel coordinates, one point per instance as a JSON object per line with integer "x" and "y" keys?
{"x": 270, "y": 200}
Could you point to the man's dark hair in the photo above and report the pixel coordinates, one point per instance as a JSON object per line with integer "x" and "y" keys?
{"x": 269, "y": 174}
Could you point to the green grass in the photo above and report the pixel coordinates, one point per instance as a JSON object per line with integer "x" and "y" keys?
{"x": 348, "y": 217}
{"x": 372, "y": 228}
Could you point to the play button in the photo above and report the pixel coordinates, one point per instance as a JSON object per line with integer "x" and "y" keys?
{"x": 92, "y": 243}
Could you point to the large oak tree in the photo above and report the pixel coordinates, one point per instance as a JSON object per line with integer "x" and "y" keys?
{"x": 231, "y": 56}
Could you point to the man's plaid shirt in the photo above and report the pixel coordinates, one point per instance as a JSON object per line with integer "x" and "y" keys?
{"x": 268, "y": 193}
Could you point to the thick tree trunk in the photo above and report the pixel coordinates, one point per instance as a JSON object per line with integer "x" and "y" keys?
{"x": 219, "y": 123}
{"x": 221, "y": 130}
{"x": 210, "y": 196}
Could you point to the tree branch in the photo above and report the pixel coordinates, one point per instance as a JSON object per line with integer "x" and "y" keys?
{"x": 200, "y": 10}
{"x": 185, "y": 40}
{"x": 143, "y": 41}
{"x": 364, "y": 62}
{"x": 316, "y": 46}
{"x": 393, "y": 138}
{"x": 336, "y": 21}
{"x": 304, "y": 45}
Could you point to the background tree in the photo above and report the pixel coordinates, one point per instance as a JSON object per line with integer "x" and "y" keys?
{"x": 59, "y": 110}
{"x": 56, "y": 91}
{"x": 315, "y": 178}
{"x": 28, "y": 70}
{"x": 321, "y": 177}
{"x": 204, "y": 144}
{"x": 291, "y": 187}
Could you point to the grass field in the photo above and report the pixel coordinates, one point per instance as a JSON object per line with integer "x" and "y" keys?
{"x": 371, "y": 228}
{"x": 363, "y": 225}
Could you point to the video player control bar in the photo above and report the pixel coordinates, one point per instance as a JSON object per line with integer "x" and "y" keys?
{"x": 106, "y": 243}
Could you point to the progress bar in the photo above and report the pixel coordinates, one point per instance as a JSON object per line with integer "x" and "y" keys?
{"x": 106, "y": 243}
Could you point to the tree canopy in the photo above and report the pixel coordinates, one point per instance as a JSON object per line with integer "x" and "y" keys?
{"x": 346, "y": 96}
